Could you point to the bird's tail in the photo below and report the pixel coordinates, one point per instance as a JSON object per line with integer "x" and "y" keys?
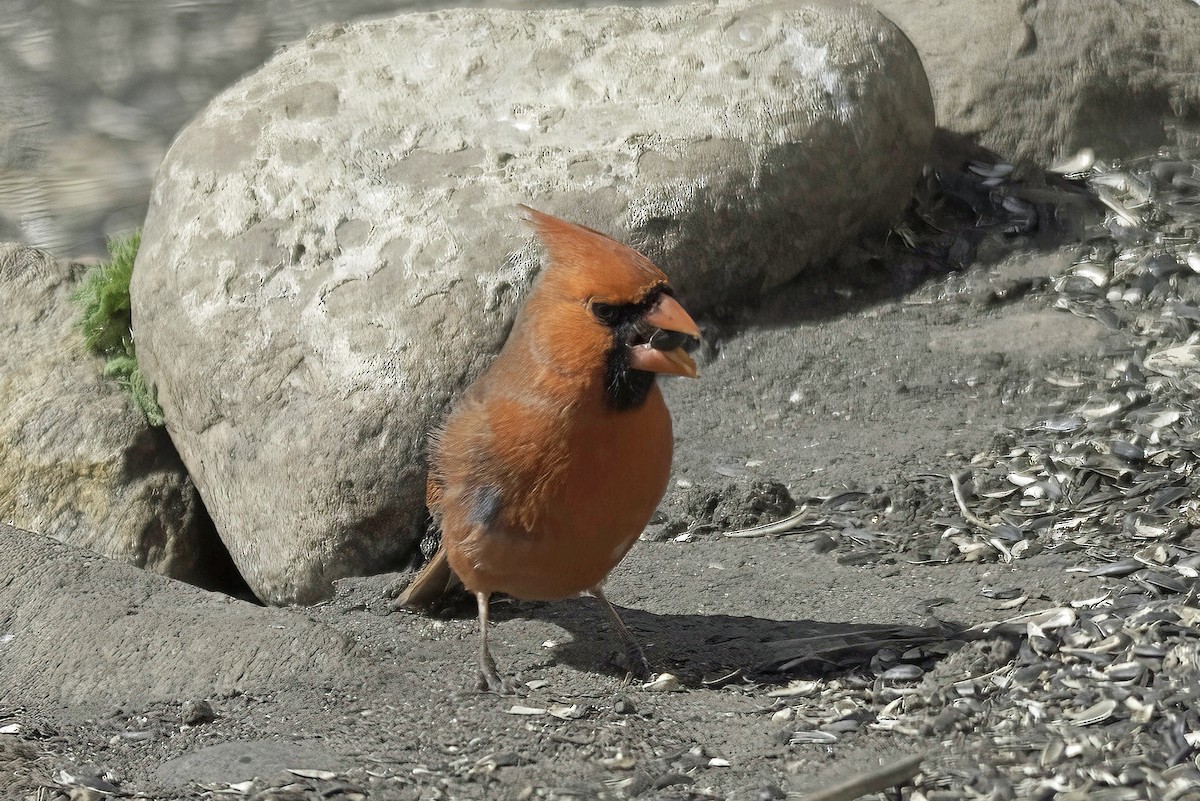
{"x": 433, "y": 586}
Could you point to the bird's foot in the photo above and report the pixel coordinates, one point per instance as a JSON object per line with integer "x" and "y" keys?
{"x": 490, "y": 681}
{"x": 637, "y": 665}
{"x": 634, "y": 658}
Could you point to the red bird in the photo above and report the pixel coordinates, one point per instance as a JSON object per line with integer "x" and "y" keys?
{"x": 553, "y": 461}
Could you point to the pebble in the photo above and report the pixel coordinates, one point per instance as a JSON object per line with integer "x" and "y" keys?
{"x": 196, "y": 712}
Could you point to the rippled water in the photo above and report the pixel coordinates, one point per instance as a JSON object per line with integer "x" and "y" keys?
{"x": 93, "y": 91}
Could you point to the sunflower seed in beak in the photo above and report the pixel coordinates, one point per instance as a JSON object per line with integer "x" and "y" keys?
{"x": 668, "y": 340}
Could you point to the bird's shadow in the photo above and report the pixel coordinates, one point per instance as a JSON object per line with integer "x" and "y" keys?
{"x": 710, "y": 650}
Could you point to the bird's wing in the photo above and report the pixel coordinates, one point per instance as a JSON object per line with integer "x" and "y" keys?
{"x": 492, "y": 464}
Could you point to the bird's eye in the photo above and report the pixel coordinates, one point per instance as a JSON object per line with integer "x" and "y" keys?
{"x": 606, "y": 313}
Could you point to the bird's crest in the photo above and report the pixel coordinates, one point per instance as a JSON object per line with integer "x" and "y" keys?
{"x": 581, "y": 259}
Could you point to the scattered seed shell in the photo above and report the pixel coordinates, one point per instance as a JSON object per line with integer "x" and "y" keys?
{"x": 311, "y": 773}
{"x": 663, "y": 682}
{"x": 795, "y": 688}
{"x": 1096, "y": 713}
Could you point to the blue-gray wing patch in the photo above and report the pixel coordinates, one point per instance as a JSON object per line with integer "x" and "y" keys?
{"x": 485, "y": 506}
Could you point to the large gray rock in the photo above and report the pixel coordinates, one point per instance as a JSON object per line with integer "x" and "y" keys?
{"x": 332, "y": 252}
{"x": 1033, "y": 81}
{"x": 77, "y": 460}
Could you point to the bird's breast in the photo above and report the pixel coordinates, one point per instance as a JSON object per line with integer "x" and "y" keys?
{"x": 617, "y": 467}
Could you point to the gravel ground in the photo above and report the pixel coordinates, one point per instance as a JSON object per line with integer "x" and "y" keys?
{"x": 979, "y": 434}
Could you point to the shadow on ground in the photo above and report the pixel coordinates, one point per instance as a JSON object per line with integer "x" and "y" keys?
{"x": 712, "y": 650}
{"x": 969, "y": 209}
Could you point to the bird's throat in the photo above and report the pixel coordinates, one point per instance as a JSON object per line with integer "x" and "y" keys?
{"x": 624, "y": 387}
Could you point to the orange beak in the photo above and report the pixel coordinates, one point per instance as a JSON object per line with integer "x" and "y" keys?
{"x": 668, "y": 316}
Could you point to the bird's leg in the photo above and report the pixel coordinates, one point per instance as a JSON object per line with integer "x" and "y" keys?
{"x": 635, "y": 658}
{"x": 489, "y": 678}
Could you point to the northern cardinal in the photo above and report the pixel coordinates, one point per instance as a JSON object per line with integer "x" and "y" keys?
{"x": 551, "y": 464}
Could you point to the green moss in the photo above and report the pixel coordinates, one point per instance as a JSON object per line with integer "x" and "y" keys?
{"x": 103, "y": 297}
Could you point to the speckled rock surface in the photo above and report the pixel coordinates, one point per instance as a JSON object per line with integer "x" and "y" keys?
{"x": 77, "y": 461}
{"x": 331, "y": 251}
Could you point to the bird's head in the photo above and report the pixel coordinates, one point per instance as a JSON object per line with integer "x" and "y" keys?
{"x": 609, "y": 304}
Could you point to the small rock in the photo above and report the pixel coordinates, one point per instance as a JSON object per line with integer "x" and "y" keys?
{"x": 945, "y": 721}
{"x": 197, "y": 711}
{"x": 760, "y": 502}
{"x": 843, "y": 725}
{"x": 624, "y": 706}
{"x": 783, "y": 736}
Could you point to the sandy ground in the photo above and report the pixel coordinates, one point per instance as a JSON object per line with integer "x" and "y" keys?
{"x": 847, "y": 380}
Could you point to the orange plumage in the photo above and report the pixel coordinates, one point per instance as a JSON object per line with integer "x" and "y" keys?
{"x": 553, "y": 461}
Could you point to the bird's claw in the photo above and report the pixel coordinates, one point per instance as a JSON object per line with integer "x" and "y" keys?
{"x": 636, "y": 664}
{"x": 490, "y": 681}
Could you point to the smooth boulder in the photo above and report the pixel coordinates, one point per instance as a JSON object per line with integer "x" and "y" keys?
{"x": 332, "y": 253}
